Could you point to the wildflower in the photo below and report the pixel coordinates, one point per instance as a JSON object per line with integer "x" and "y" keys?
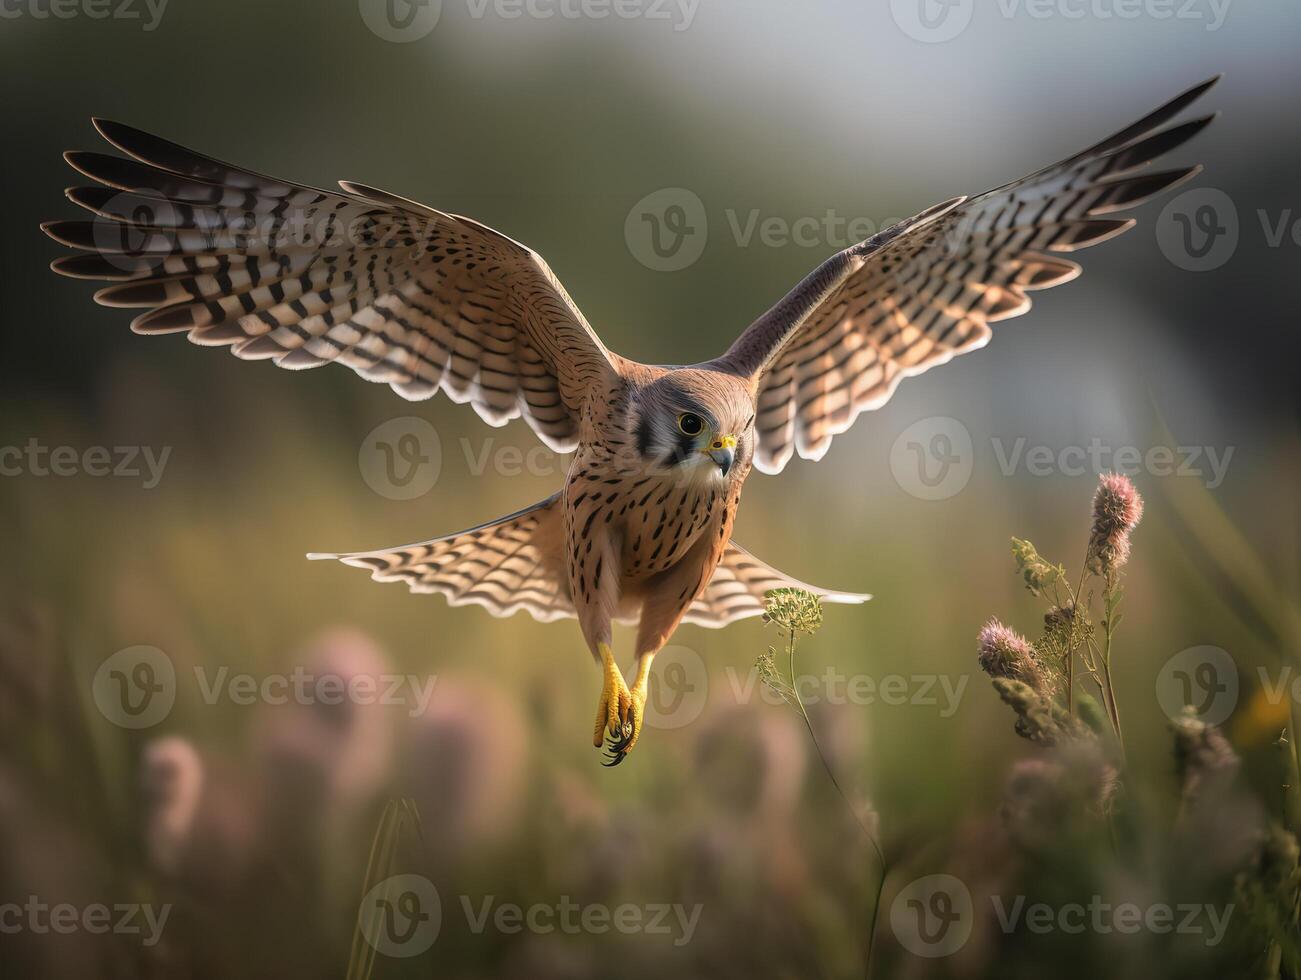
{"x": 1059, "y": 796}
{"x": 1277, "y": 859}
{"x": 172, "y": 777}
{"x": 1203, "y": 757}
{"x": 1117, "y": 509}
{"x": 1038, "y": 719}
{"x": 793, "y": 609}
{"x": 1038, "y": 574}
{"x": 1003, "y": 652}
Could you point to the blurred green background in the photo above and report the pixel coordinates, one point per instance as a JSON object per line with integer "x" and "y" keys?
{"x": 552, "y": 130}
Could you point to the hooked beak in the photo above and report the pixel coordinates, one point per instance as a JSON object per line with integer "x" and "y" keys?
{"x": 723, "y": 452}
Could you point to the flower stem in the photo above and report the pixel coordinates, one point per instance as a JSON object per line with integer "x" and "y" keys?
{"x": 817, "y": 747}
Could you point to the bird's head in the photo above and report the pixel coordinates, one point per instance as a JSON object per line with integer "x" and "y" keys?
{"x": 695, "y": 423}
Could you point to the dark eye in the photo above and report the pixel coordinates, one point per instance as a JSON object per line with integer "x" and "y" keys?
{"x": 691, "y": 425}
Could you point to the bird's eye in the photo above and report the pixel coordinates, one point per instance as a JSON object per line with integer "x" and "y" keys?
{"x": 689, "y": 424}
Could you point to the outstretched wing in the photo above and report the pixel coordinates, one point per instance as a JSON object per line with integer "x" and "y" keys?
{"x": 927, "y": 289}
{"x": 398, "y": 292}
{"x": 739, "y": 585}
{"x": 505, "y": 565}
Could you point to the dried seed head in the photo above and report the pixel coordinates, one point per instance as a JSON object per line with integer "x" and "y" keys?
{"x": 1058, "y": 619}
{"x": 1117, "y": 509}
{"x": 1038, "y": 574}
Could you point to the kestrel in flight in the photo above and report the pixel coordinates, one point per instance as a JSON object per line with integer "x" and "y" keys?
{"x": 422, "y": 300}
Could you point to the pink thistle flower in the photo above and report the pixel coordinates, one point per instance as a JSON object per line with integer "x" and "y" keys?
{"x": 1117, "y": 509}
{"x": 1003, "y": 652}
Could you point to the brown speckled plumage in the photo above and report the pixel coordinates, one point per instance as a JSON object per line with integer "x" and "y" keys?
{"x": 427, "y": 301}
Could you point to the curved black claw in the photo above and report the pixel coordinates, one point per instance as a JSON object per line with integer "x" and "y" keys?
{"x": 616, "y": 746}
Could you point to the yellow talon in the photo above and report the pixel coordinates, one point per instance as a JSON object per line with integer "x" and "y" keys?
{"x": 637, "y": 706}
{"x": 615, "y": 698}
{"x": 632, "y": 708}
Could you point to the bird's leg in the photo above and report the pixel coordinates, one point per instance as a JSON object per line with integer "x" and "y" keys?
{"x": 615, "y": 698}
{"x": 632, "y": 712}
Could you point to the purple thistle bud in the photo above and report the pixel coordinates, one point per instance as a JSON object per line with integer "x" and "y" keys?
{"x": 1003, "y": 652}
{"x": 1117, "y": 509}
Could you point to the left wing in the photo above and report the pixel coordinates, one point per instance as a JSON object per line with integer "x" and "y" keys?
{"x": 739, "y": 585}
{"x": 505, "y": 565}
{"x": 927, "y": 289}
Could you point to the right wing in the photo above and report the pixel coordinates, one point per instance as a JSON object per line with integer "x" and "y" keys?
{"x": 398, "y": 292}
{"x": 739, "y": 585}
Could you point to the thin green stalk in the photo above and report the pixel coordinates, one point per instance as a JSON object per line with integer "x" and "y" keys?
{"x": 817, "y": 747}
{"x": 1109, "y": 600}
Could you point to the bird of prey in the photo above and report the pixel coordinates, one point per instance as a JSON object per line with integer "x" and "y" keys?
{"x": 423, "y": 300}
